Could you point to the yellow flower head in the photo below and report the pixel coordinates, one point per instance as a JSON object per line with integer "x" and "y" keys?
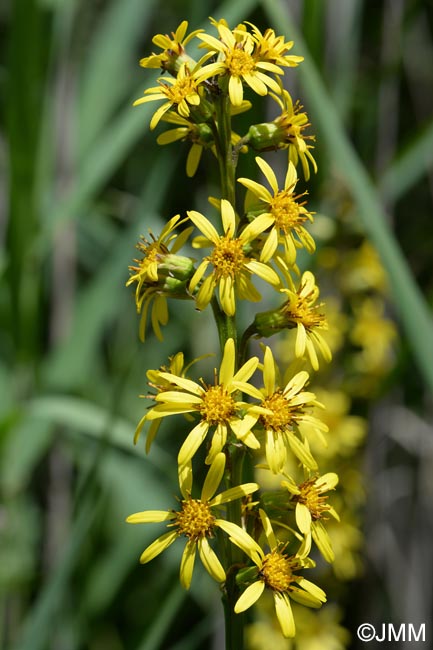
{"x": 215, "y": 404}
{"x": 158, "y": 273}
{"x": 272, "y": 48}
{"x": 291, "y": 123}
{"x": 300, "y": 311}
{"x": 238, "y": 62}
{"x": 196, "y": 520}
{"x": 173, "y": 46}
{"x": 276, "y": 571}
{"x": 181, "y": 93}
{"x": 231, "y": 266}
{"x": 284, "y": 215}
{"x": 175, "y": 367}
{"x": 312, "y": 508}
{"x": 287, "y": 412}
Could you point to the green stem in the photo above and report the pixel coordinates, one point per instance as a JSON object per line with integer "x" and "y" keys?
{"x": 243, "y": 346}
{"x": 226, "y": 160}
{"x": 226, "y": 325}
{"x": 234, "y": 623}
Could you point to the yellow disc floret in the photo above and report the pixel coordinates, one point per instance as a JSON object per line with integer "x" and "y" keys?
{"x": 217, "y": 406}
{"x": 282, "y": 414}
{"x": 195, "y": 520}
{"x": 277, "y": 571}
{"x": 182, "y": 90}
{"x": 228, "y": 257}
{"x": 286, "y": 212}
{"x": 239, "y": 62}
{"x": 311, "y": 496}
{"x": 300, "y": 310}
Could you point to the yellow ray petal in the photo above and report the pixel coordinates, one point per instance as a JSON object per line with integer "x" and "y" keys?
{"x": 303, "y": 517}
{"x": 234, "y": 493}
{"x": 213, "y": 477}
{"x": 284, "y": 614}
{"x": 149, "y": 516}
{"x": 204, "y": 225}
{"x": 250, "y": 596}
{"x": 227, "y": 367}
{"x": 210, "y": 561}
{"x": 158, "y": 546}
{"x": 267, "y": 527}
{"x": 192, "y": 442}
{"x": 185, "y": 479}
{"x": 187, "y": 564}
{"x": 241, "y": 538}
{"x": 269, "y": 173}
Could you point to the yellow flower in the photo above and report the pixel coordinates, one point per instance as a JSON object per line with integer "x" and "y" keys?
{"x": 196, "y": 520}
{"x": 276, "y": 572}
{"x": 292, "y": 122}
{"x": 288, "y": 410}
{"x": 176, "y": 367}
{"x": 284, "y": 215}
{"x": 232, "y": 267}
{"x": 173, "y": 54}
{"x": 215, "y": 404}
{"x": 272, "y": 48}
{"x": 159, "y": 273}
{"x": 237, "y": 60}
{"x": 300, "y": 311}
{"x": 181, "y": 93}
{"x": 312, "y": 507}
{"x": 285, "y": 132}
{"x": 156, "y": 252}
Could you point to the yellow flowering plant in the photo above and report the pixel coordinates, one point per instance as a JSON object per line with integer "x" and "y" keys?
{"x": 248, "y": 413}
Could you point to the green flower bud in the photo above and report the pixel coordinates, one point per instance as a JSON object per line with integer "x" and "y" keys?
{"x": 176, "y": 266}
{"x": 267, "y": 323}
{"x": 266, "y": 136}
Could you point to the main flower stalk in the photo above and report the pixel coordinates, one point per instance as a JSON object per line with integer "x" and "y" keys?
{"x": 243, "y": 534}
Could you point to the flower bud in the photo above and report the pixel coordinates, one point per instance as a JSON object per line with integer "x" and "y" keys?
{"x": 266, "y": 136}
{"x": 267, "y": 323}
{"x": 176, "y": 266}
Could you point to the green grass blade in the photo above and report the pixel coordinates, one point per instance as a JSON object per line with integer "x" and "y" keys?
{"x": 409, "y": 302}
{"x": 409, "y": 166}
{"x": 38, "y": 628}
{"x": 109, "y": 71}
{"x": 158, "y": 630}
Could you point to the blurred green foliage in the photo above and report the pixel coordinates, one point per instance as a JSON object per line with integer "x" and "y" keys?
{"x": 81, "y": 179}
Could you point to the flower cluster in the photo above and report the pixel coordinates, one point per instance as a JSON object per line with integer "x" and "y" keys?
{"x": 248, "y": 411}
